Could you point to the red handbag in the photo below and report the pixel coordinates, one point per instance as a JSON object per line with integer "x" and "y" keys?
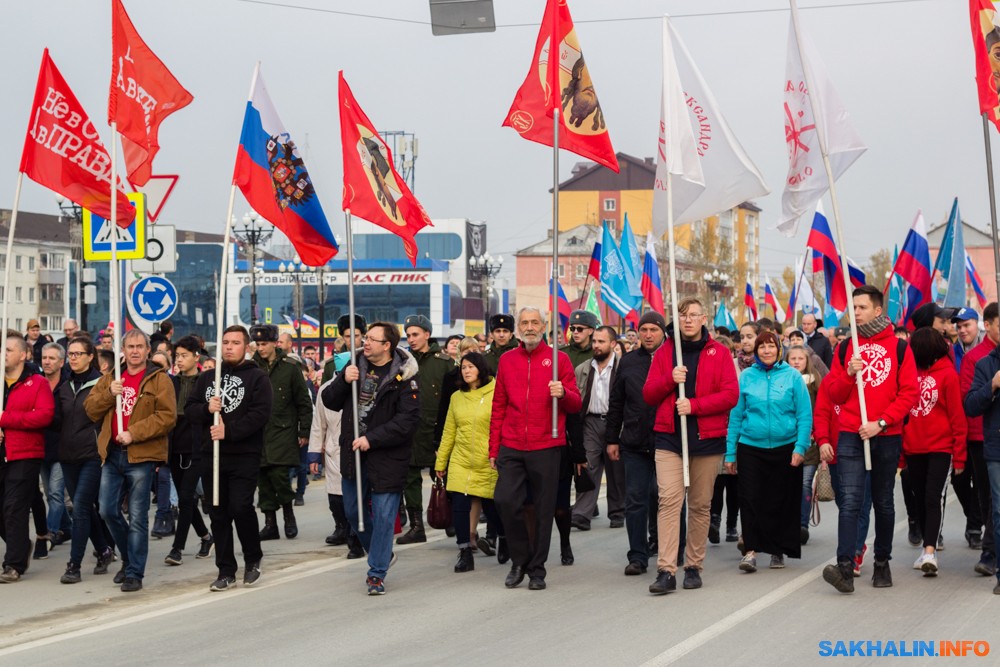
{"x": 439, "y": 507}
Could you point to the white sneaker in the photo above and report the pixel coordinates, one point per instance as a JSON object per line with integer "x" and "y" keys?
{"x": 918, "y": 564}
{"x": 929, "y": 565}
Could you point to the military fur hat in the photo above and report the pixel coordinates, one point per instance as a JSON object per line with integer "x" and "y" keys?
{"x": 264, "y": 333}
{"x": 502, "y": 322}
{"x": 417, "y": 321}
{"x": 344, "y": 324}
{"x": 583, "y": 318}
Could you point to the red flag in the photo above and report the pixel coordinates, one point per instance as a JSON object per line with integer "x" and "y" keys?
{"x": 567, "y": 88}
{"x": 143, "y": 93}
{"x": 986, "y": 44}
{"x": 372, "y": 189}
{"x": 63, "y": 151}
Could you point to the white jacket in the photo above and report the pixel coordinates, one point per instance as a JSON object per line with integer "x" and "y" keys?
{"x": 324, "y": 436}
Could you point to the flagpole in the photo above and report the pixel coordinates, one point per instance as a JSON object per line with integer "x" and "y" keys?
{"x": 993, "y": 201}
{"x": 583, "y": 292}
{"x": 554, "y": 284}
{"x": 354, "y": 360}
{"x": 7, "y": 271}
{"x": 115, "y": 277}
{"x": 678, "y": 358}
{"x": 798, "y": 290}
{"x": 845, "y": 268}
{"x": 220, "y": 326}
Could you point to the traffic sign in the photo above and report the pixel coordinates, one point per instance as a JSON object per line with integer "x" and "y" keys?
{"x": 131, "y": 240}
{"x": 161, "y": 251}
{"x": 154, "y": 299}
{"x": 157, "y": 190}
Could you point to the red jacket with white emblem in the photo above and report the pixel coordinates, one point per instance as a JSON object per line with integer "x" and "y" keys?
{"x": 965, "y": 377}
{"x": 937, "y": 419}
{"x": 28, "y": 410}
{"x": 522, "y": 406}
{"x": 826, "y": 417}
{"x": 890, "y": 388}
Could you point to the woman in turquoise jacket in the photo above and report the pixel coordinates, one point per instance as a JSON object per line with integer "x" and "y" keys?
{"x": 769, "y": 432}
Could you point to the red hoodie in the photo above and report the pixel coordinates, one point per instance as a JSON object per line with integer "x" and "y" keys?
{"x": 965, "y": 383}
{"x": 937, "y": 420}
{"x": 522, "y": 406}
{"x": 890, "y": 392}
{"x": 826, "y": 417}
{"x": 28, "y": 410}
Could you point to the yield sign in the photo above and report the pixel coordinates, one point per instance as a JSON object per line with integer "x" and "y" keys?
{"x": 157, "y": 191}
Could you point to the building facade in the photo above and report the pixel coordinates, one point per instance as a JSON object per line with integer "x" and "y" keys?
{"x": 979, "y": 246}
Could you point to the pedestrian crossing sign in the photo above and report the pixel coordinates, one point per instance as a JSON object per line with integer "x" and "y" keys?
{"x": 131, "y": 241}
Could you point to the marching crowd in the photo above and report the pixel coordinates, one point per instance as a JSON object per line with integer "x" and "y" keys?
{"x": 741, "y": 424}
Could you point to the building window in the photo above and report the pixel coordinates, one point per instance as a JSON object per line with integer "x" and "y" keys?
{"x": 562, "y": 270}
{"x": 53, "y": 260}
{"x": 581, "y": 271}
{"x": 31, "y": 264}
{"x": 610, "y": 205}
{"x": 18, "y": 295}
{"x": 611, "y": 223}
{"x": 17, "y": 324}
{"x": 31, "y": 295}
{"x": 50, "y": 322}
{"x": 51, "y": 292}
{"x": 17, "y": 262}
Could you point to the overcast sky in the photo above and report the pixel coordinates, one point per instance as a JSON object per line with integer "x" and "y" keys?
{"x": 903, "y": 69}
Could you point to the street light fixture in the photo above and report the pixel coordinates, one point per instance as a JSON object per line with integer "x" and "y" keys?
{"x": 486, "y": 268}
{"x": 251, "y": 237}
{"x": 717, "y": 282}
{"x": 296, "y": 269}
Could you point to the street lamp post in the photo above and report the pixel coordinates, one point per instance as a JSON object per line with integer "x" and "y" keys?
{"x": 321, "y": 295}
{"x": 717, "y": 282}
{"x": 296, "y": 268}
{"x": 73, "y": 214}
{"x": 486, "y": 268}
{"x": 251, "y": 237}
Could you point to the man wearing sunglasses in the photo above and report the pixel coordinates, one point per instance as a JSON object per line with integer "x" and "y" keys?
{"x": 581, "y": 328}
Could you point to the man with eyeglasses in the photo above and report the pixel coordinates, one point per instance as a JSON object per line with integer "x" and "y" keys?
{"x": 711, "y": 390}
{"x": 434, "y": 364}
{"x": 582, "y": 324}
{"x": 388, "y": 409}
{"x": 71, "y": 329}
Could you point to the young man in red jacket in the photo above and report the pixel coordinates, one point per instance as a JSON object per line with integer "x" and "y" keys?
{"x": 522, "y": 448}
{"x": 977, "y": 461}
{"x": 890, "y": 391}
{"x": 28, "y": 408}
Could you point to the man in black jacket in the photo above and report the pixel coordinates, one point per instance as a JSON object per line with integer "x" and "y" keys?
{"x": 244, "y": 407}
{"x": 388, "y": 413}
{"x": 816, "y": 340}
{"x": 629, "y": 436}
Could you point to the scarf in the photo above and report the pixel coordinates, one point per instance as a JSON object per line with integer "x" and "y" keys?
{"x": 744, "y": 359}
{"x": 762, "y": 366}
{"x": 874, "y": 327}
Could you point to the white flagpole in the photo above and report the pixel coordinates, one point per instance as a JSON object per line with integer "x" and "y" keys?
{"x": 554, "y": 284}
{"x": 817, "y": 119}
{"x": 114, "y": 276}
{"x": 220, "y": 326}
{"x": 798, "y": 291}
{"x": 678, "y": 359}
{"x": 7, "y": 273}
{"x": 354, "y": 360}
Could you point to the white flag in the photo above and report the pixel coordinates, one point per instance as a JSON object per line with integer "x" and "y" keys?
{"x": 676, "y": 155}
{"x": 807, "y": 179}
{"x": 731, "y": 178}
{"x": 805, "y": 300}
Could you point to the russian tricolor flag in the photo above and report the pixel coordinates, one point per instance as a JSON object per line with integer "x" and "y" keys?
{"x": 771, "y": 299}
{"x": 914, "y": 266}
{"x": 827, "y": 259}
{"x": 272, "y": 176}
{"x": 594, "y": 270}
{"x": 652, "y": 291}
{"x": 749, "y": 301}
{"x": 562, "y": 308}
{"x": 854, "y": 272}
{"x": 977, "y": 282}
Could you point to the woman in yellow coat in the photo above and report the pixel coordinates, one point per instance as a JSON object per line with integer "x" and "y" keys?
{"x": 464, "y": 455}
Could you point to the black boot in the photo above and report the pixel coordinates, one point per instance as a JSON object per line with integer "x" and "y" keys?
{"x": 713, "y": 529}
{"x": 416, "y": 532}
{"x": 339, "y": 536}
{"x": 354, "y": 548}
{"x": 291, "y": 528}
{"x": 342, "y": 528}
{"x": 564, "y": 523}
{"x": 840, "y": 576}
{"x": 270, "y": 530}
{"x": 465, "y": 563}
{"x": 503, "y": 551}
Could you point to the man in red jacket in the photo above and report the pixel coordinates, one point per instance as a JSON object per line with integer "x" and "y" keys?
{"x": 977, "y": 461}
{"x": 522, "y": 448}
{"x": 28, "y": 407}
{"x": 890, "y": 391}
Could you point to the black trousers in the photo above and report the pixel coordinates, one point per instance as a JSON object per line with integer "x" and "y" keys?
{"x": 18, "y": 486}
{"x": 966, "y": 492}
{"x": 929, "y": 479}
{"x": 186, "y": 472}
{"x": 728, "y": 484}
{"x": 537, "y": 471}
{"x": 981, "y": 483}
{"x": 237, "y": 485}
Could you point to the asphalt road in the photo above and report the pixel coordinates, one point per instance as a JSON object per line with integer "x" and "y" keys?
{"x": 311, "y": 608}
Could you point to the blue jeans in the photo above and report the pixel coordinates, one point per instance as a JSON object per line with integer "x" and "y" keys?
{"x": 993, "y": 471}
{"x": 57, "y": 518}
{"x": 166, "y": 494}
{"x": 380, "y": 519}
{"x": 865, "y": 514}
{"x": 885, "y": 452}
{"x": 300, "y": 474}
{"x": 83, "y": 480}
{"x": 808, "y": 472}
{"x": 135, "y": 479}
{"x": 641, "y": 494}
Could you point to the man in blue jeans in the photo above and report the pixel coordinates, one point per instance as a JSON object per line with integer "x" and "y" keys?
{"x": 132, "y": 451}
{"x": 387, "y": 404}
{"x": 889, "y": 381}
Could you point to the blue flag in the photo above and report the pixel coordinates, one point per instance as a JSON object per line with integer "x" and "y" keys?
{"x": 723, "y": 318}
{"x": 615, "y": 277}
{"x": 630, "y": 254}
{"x": 950, "y": 265}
